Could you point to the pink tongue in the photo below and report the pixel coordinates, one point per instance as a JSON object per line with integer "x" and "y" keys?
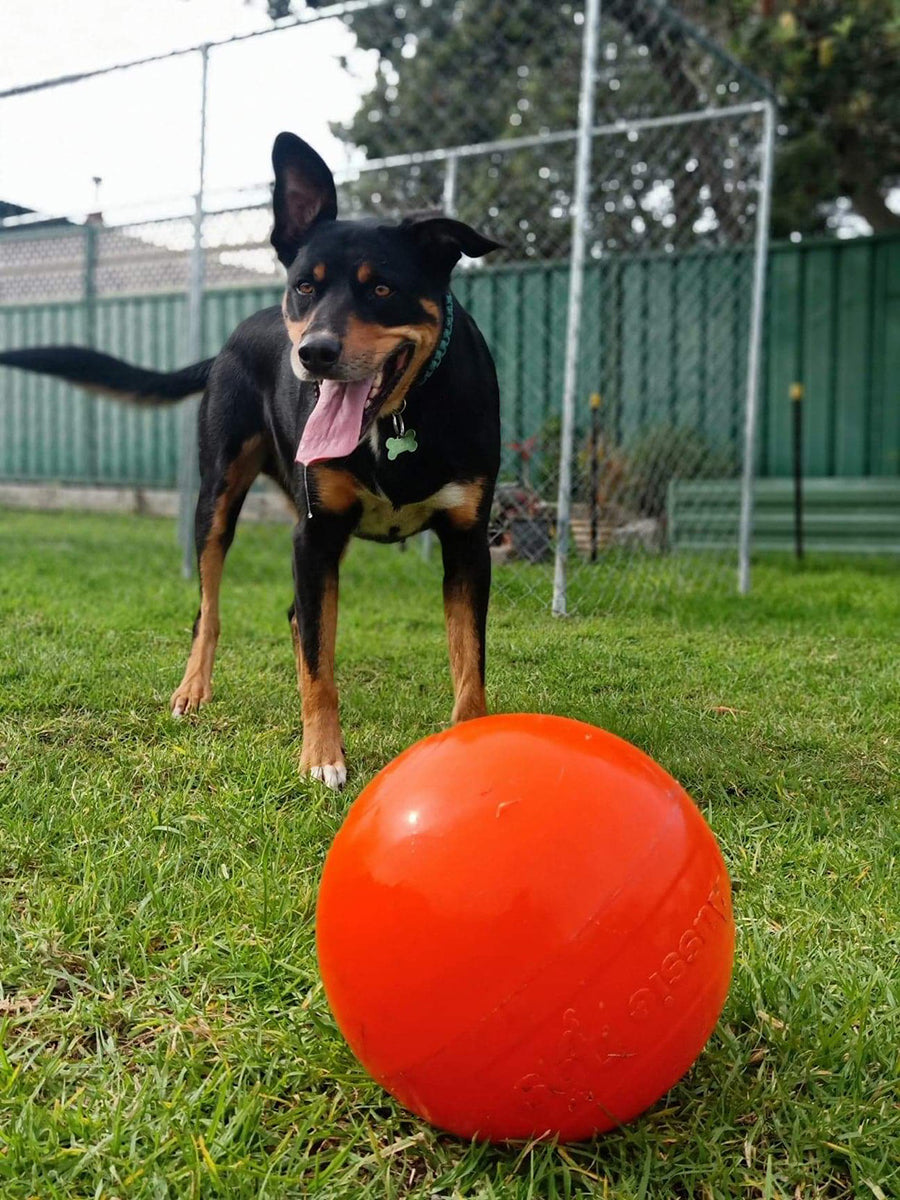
{"x": 334, "y": 425}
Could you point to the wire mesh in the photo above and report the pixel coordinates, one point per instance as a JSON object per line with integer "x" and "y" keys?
{"x": 472, "y": 108}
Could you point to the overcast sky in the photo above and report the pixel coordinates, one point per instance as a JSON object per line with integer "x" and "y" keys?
{"x": 139, "y": 129}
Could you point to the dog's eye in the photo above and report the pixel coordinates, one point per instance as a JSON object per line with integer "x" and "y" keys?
{"x": 382, "y": 290}
{"x": 305, "y": 288}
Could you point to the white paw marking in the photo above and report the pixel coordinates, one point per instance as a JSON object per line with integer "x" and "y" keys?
{"x": 333, "y": 775}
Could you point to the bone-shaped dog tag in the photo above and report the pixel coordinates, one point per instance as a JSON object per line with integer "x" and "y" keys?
{"x": 399, "y": 445}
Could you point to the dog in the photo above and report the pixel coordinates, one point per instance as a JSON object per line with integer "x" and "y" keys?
{"x": 370, "y": 397}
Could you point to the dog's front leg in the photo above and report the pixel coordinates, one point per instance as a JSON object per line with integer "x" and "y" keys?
{"x": 318, "y": 545}
{"x": 467, "y": 586}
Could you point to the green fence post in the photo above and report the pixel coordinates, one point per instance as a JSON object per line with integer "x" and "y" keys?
{"x": 90, "y": 336}
{"x": 796, "y": 394}
{"x": 596, "y": 401}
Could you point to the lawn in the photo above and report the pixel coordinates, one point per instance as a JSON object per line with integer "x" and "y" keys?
{"x": 163, "y": 1032}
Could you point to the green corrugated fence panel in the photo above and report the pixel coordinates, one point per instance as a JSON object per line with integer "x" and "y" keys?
{"x": 536, "y": 402}
{"x": 886, "y": 432}
{"x": 661, "y": 398}
{"x": 855, "y": 317}
{"x": 134, "y": 445}
{"x": 506, "y": 312}
{"x": 554, "y": 345}
{"x": 477, "y": 291}
{"x": 664, "y": 340}
{"x": 223, "y": 311}
{"x": 812, "y": 358}
{"x": 688, "y": 340}
{"x": 591, "y": 341}
{"x": 783, "y": 315}
{"x": 833, "y": 324}
{"x": 632, "y": 384}
{"x": 725, "y": 339}
{"x": 846, "y": 515}
{"x": 42, "y": 431}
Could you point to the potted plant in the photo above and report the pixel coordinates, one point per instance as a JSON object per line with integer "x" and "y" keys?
{"x": 522, "y": 521}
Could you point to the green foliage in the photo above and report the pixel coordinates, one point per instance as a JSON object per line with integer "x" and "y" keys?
{"x": 661, "y": 453}
{"x": 836, "y": 66}
{"x": 633, "y": 479}
{"x": 455, "y": 74}
{"x": 452, "y": 74}
{"x": 480, "y": 70}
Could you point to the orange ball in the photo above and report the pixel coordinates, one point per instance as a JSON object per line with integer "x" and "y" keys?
{"x": 524, "y": 927}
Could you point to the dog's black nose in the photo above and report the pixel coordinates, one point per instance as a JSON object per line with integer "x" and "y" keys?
{"x": 319, "y": 351}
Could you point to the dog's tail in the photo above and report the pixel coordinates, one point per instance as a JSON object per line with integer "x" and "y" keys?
{"x": 110, "y": 376}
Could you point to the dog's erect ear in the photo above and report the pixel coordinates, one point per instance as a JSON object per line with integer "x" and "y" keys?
{"x": 304, "y": 194}
{"x": 444, "y": 240}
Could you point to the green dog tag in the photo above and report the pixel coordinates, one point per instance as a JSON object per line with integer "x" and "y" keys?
{"x": 397, "y": 445}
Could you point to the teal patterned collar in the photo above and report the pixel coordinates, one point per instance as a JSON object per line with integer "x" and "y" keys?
{"x": 437, "y": 357}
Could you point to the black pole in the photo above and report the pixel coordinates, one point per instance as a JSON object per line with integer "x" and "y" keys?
{"x": 595, "y": 470}
{"x": 796, "y": 394}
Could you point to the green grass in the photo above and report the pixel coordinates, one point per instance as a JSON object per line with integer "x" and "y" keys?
{"x": 163, "y": 1032}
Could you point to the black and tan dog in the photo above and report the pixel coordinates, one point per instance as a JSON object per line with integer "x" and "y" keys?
{"x": 370, "y": 397}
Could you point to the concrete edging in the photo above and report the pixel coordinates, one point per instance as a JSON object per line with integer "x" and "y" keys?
{"x": 264, "y": 503}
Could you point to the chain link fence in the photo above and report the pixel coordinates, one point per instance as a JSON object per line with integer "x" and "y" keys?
{"x": 621, "y": 158}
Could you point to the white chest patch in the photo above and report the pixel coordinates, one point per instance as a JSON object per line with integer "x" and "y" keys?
{"x": 381, "y": 521}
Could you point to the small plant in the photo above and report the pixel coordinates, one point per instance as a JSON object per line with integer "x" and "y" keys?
{"x": 544, "y": 466}
{"x": 521, "y": 519}
{"x": 662, "y": 453}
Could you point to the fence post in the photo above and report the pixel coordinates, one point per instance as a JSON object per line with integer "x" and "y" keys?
{"x": 449, "y": 198}
{"x": 796, "y": 393}
{"x": 90, "y": 339}
{"x": 576, "y": 291}
{"x": 189, "y": 466}
{"x": 596, "y": 401}
{"x": 754, "y": 351}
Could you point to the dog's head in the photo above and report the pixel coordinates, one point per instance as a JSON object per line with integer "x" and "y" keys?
{"x": 364, "y": 301}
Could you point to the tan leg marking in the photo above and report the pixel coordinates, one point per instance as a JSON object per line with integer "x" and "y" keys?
{"x": 322, "y": 755}
{"x": 195, "y": 688}
{"x": 464, "y": 514}
{"x": 465, "y": 657}
{"x": 334, "y": 490}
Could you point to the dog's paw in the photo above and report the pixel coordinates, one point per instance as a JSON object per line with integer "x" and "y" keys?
{"x": 189, "y": 696}
{"x": 322, "y": 752}
{"x": 333, "y": 775}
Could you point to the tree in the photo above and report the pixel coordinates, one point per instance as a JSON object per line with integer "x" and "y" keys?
{"x": 455, "y": 72}
{"x": 464, "y": 72}
{"x": 476, "y": 71}
{"x": 836, "y": 66}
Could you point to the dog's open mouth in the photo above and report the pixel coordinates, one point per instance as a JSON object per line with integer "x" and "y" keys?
{"x": 345, "y": 409}
{"x": 384, "y": 382}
